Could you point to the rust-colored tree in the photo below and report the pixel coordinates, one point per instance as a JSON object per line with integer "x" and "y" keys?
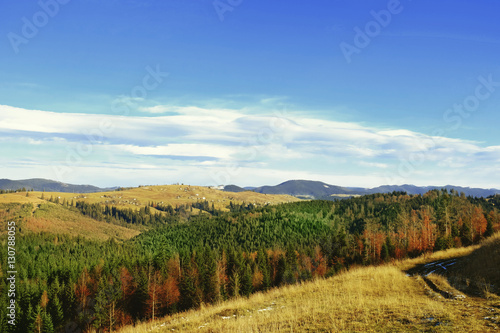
{"x": 169, "y": 293}
{"x": 128, "y": 289}
{"x": 153, "y": 302}
{"x": 479, "y": 223}
{"x": 83, "y": 289}
{"x": 319, "y": 263}
{"x": 427, "y": 233}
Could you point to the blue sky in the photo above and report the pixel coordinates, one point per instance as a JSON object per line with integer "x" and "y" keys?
{"x": 350, "y": 92}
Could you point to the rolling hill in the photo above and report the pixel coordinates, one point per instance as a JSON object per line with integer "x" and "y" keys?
{"x": 45, "y": 216}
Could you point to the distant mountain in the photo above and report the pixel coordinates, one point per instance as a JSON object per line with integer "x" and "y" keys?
{"x": 308, "y": 189}
{"x": 234, "y": 188}
{"x": 38, "y": 184}
{"x": 412, "y": 189}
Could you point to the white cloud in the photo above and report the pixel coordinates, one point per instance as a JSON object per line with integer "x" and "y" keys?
{"x": 374, "y": 165}
{"x": 155, "y": 109}
{"x": 182, "y": 149}
{"x": 287, "y": 143}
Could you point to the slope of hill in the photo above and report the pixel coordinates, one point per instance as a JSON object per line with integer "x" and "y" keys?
{"x": 374, "y": 299}
{"x": 36, "y": 215}
{"x": 38, "y": 184}
{"x": 478, "y": 273}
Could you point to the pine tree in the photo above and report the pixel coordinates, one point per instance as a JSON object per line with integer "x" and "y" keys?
{"x": 30, "y": 319}
{"x": 280, "y": 271}
{"x": 47, "y": 325}
{"x": 190, "y": 293}
{"x": 56, "y": 311}
{"x": 235, "y": 284}
{"x": 263, "y": 266}
{"x": 38, "y": 324}
{"x": 385, "y": 252}
{"x": 246, "y": 280}
{"x": 466, "y": 234}
{"x": 489, "y": 228}
{"x": 208, "y": 276}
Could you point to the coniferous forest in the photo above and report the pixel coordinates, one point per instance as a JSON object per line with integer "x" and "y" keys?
{"x": 195, "y": 254}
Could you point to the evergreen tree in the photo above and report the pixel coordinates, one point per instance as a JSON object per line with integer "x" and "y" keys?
{"x": 190, "y": 294}
{"x": 208, "y": 276}
{"x": 47, "y": 325}
{"x": 280, "y": 271}
{"x": 246, "y": 280}
{"x": 489, "y": 229}
{"x": 56, "y": 312}
{"x": 263, "y": 266}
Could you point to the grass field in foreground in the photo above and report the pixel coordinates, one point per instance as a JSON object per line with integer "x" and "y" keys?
{"x": 364, "y": 299}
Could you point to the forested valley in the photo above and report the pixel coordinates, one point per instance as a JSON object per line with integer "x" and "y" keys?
{"x": 195, "y": 254}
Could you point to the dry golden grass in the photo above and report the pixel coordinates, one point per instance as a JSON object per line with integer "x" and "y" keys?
{"x": 365, "y": 299}
{"x": 439, "y": 255}
{"x": 56, "y": 219}
{"x": 52, "y": 218}
{"x": 33, "y": 197}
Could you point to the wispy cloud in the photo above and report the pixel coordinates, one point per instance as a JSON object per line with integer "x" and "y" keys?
{"x": 204, "y": 140}
{"x": 155, "y": 109}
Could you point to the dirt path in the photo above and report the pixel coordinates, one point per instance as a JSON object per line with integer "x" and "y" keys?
{"x": 436, "y": 267}
{"x": 440, "y": 289}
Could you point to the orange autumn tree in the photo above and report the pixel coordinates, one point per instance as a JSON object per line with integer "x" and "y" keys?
{"x": 319, "y": 263}
{"x": 479, "y": 223}
{"x": 427, "y": 233}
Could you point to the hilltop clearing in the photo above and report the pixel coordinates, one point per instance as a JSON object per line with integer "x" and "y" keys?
{"x": 166, "y": 194}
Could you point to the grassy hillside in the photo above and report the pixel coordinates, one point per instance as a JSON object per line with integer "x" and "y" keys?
{"x": 56, "y": 219}
{"x": 169, "y": 194}
{"x": 51, "y": 218}
{"x": 479, "y": 273}
{"x": 36, "y": 215}
{"x": 367, "y": 299}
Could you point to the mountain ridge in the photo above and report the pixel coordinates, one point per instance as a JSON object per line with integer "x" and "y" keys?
{"x": 305, "y": 189}
{"x": 320, "y": 190}
{"x": 41, "y": 184}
